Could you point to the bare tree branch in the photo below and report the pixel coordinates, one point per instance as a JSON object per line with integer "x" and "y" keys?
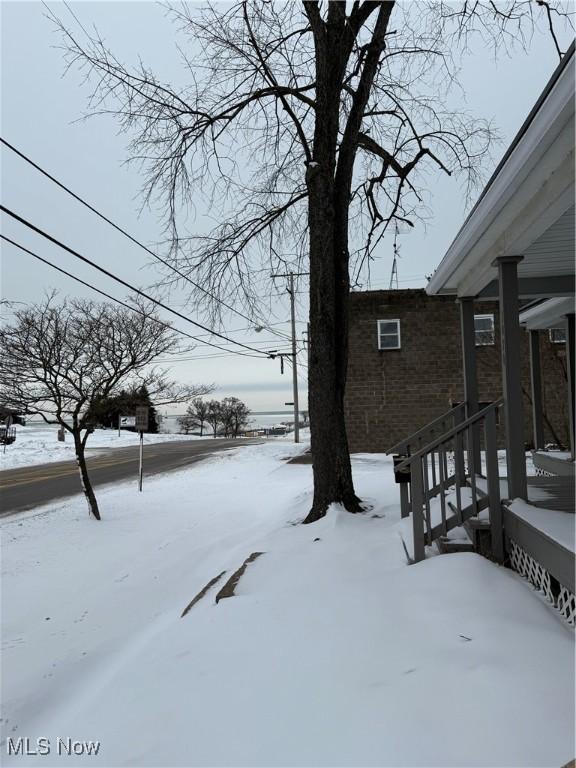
{"x": 59, "y": 359}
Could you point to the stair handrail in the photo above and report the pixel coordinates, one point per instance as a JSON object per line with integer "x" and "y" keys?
{"x": 402, "y": 445}
{"x": 417, "y": 501}
{"x": 451, "y": 433}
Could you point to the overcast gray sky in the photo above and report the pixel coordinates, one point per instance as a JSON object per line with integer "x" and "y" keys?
{"x": 40, "y": 111}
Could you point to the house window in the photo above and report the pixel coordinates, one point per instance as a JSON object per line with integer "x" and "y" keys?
{"x": 557, "y": 335}
{"x": 388, "y": 334}
{"x": 484, "y": 330}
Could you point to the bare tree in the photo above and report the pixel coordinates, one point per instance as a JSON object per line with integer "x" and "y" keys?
{"x": 214, "y": 416}
{"x": 195, "y": 416}
{"x": 186, "y": 422}
{"x": 312, "y": 127}
{"x": 59, "y": 359}
{"x": 234, "y": 416}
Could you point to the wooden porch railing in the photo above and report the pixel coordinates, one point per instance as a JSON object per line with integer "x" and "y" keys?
{"x": 446, "y": 468}
{"x": 427, "y": 433}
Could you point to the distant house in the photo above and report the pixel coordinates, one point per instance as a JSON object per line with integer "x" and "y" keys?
{"x": 13, "y": 416}
{"x": 405, "y": 367}
{"x": 9, "y": 417}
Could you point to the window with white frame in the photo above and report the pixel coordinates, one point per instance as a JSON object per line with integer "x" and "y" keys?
{"x": 484, "y": 330}
{"x": 557, "y": 335}
{"x": 388, "y": 334}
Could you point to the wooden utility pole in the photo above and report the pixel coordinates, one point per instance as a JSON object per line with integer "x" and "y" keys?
{"x": 294, "y": 362}
{"x": 290, "y": 276}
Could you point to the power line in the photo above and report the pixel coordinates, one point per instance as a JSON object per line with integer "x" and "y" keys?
{"x": 268, "y": 346}
{"x": 275, "y": 353}
{"x": 123, "y": 303}
{"x": 208, "y": 357}
{"x": 250, "y": 327}
{"x": 372, "y": 283}
{"x": 118, "y": 228}
{"x": 124, "y": 283}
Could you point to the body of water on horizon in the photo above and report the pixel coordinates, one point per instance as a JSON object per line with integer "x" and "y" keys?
{"x": 258, "y": 419}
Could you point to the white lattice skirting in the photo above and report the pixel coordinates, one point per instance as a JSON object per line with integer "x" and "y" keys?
{"x": 542, "y": 472}
{"x": 561, "y": 598}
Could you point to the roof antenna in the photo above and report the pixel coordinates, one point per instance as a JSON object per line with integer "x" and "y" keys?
{"x": 394, "y": 273}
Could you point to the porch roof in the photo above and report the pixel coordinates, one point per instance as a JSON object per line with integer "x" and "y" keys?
{"x": 547, "y": 314}
{"x": 527, "y": 207}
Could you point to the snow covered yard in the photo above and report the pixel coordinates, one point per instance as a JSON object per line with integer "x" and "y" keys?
{"x": 38, "y": 444}
{"x": 332, "y": 652}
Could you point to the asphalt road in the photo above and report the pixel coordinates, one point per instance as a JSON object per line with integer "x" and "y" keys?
{"x": 28, "y": 487}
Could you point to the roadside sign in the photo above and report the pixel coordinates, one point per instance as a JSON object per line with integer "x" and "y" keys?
{"x": 141, "y": 422}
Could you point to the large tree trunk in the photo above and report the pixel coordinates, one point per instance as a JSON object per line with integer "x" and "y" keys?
{"x": 84, "y": 477}
{"x": 329, "y": 287}
{"x": 329, "y": 293}
{"x": 329, "y": 183}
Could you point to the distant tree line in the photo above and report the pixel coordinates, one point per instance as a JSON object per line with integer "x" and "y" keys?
{"x": 225, "y": 418}
{"x": 107, "y": 410}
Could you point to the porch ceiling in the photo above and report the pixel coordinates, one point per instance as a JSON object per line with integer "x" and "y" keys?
{"x": 527, "y": 207}
{"x": 547, "y": 269}
{"x": 553, "y": 252}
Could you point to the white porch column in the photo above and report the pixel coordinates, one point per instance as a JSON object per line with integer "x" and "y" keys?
{"x": 512, "y": 375}
{"x": 570, "y": 341}
{"x": 536, "y": 381}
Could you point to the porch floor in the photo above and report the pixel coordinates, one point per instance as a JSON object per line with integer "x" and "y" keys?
{"x": 554, "y": 523}
{"x": 556, "y": 492}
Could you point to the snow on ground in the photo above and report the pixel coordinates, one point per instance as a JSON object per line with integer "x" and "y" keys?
{"x": 333, "y": 652}
{"x": 38, "y": 444}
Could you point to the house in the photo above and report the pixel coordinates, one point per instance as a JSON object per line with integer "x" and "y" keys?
{"x": 515, "y": 247}
{"x": 405, "y": 367}
{"x": 10, "y": 416}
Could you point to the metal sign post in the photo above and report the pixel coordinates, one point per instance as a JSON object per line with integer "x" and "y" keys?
{"x": 141, "y": 424}
{"x": 141, "y": 461}
{"x": 8, "y": 425}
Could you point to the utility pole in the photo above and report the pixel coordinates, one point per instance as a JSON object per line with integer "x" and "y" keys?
{"x": 290, "y": 276}
{"x": 294, "y": 369}
{"x": 394, "y": 274}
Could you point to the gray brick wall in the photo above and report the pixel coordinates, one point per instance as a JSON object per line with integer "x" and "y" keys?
{"x": 392, "y": 393}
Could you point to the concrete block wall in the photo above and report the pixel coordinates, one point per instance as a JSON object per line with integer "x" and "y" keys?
{"x": 392, "y": 393}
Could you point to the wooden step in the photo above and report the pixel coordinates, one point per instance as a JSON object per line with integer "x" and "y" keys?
{"x": 478, "y": 530}
{"x": 479, "y": 491}
{"x": 477, "y": 524}
{"x": 468, "y": 512}
{"x": 447, "y": 546}
{"x": 481, "y": 536}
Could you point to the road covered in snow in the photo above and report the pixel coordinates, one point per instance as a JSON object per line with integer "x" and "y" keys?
{"x": 38, "y": 444}
{"x": 333, "y": 651}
